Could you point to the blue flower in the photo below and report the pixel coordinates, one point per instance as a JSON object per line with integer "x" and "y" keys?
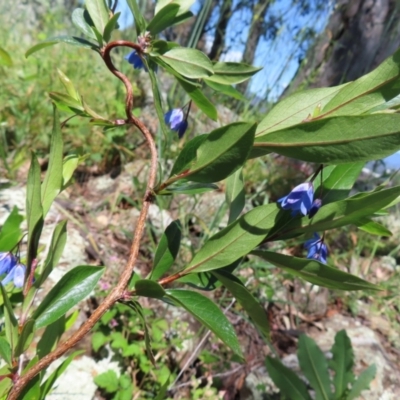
{"x": 17, "y": 274}
{"x": 134, "y": 59}
{"x": 7, "y": 262}
{"x": 315, "y": 206}
{"x": 317, "y": 249}
{"x": 176, "y": 120}
{"x": 299, "y": 200}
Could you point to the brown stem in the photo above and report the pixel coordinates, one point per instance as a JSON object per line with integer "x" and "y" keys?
{"x": 171, "y": 278}
{"x": 105, "y": 53}
{"x": 119, "y": 290}
{"x": 170, "y": 181}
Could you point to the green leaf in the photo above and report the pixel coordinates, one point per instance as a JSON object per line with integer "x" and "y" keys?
{"x": 202, "y": 281}
{"x": 69, "y": 86}
{"x": 65, "y": 102}
{"x": 225, "y": 89}
{"x": 5, "y": 386}
{"x": 149, "y": 288}
{"x": 367, "y": 92}
{"x": 199, "y": 99}
{"x": 236, "y": 240}
{"x": 207, "y": 313}
{"x": 161, "y": 395}
{"x": 341, "y": 213}
{"x": 167, "y": 250}
{"x": 110, "y": 27}
{"x": 157, "y": 97}
{"x": 163, "y": 19}
{"x": 99, "y": 36}
{"x": 372, "y": 227}
{"x": 181, "y": 18}
{"x": 190, "y": 188}
{"x": 51, "y": 380}
{"x": 222, "y": 152}
{"x": 33, "y": 361}
{"x": 335, "y": 140}
{"x": 315, "y": 272}
{"x": 98, "y": 12}
{"x": 159, "y": 47}
{"x": 134, "y": 305}
{"x": 50, "y": 337}
{"x": 188, "y": 154}
{"x": 5, "y": 351}
{"x": 99, "y": 340}
{"x": 11, "y": 323}
{"x": 362, "y": 383}
{"x": 11, "y": 233}
{"x": 231, "y": 73}
{"x": 138, "y": 17}
{"x": 235, "y": 196}
{"x": 28, "y": 300}
{"x": 81, "y": 19}
{"x": 73, "y": 287}
{"x": 125, "y": 388}
{"x": 286, "y": 380}
{"x": 295, "y": 109}
{"x": 315, "y": 367}
{"x": 190, "y": 63}
{"x": 34, "y": 210}
{"x": 342, "y": 363}
{"x": 25, "y": 338}
{"x": 253, "y": 308}
{"x": 72, "y": 40}
{"x": 108, "y": 381}
{"x": 5, "y": 58}
{"x": 70, "y": 164}
{"x": 184, "y": 5}
{"x": 363, "y": 95}
{"x": 52, "y": 183}
{"x": 56, "y": 249}
{"x": 32, "y": 389}
{"x": 338, "y": 181}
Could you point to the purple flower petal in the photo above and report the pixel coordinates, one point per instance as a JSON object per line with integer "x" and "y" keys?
{"x": 19, "y": 275}
{"x": 175, "y": 119}
{"x": 134, "y": 59}
{"x": 299, "y": 200}
{"x": 7, "y": 262}
{"x": 317, "y": 249}
{"x": 9, "y": 277}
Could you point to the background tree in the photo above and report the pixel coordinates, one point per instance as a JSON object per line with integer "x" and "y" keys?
{"x": 359, "y": 35}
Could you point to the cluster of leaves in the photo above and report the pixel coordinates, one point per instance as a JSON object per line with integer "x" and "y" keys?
{"x": 119, "y": 332}
{"x": 72, "y": 288}
{"x": 315, "y": 368}
{"x": 342, "y": 126}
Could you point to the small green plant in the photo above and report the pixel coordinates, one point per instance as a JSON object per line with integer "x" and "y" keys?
{"x": 316, "y": 369}
{"x": 120, "y": 333}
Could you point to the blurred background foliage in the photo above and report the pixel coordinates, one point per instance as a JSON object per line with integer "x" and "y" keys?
{"x": 299, "y": 44}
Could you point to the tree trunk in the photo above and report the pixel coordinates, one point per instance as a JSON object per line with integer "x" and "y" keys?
{"x": 256, "y": 32}
{"x": 220, "y": 30}
{"x": 360, "y": 34}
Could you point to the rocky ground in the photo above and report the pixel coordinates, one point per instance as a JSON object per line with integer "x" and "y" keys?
{"x": 98, "y": 233}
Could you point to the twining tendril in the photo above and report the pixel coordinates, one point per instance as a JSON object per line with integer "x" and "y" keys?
{"x": 106, "y": 54}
